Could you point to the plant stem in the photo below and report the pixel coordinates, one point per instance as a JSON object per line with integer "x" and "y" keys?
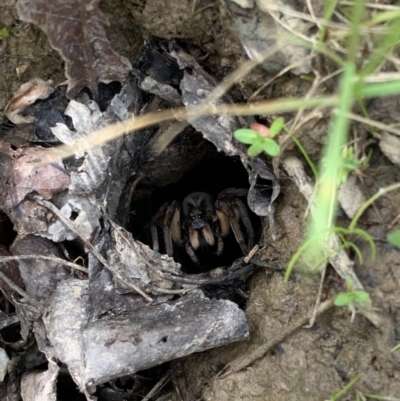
{"x": 369, "y": 202}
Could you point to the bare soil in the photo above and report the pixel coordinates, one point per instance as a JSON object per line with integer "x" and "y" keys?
{"x": 311, "y": 363}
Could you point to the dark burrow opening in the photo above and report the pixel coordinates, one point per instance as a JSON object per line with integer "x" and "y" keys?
{"x": 215, "y": 173}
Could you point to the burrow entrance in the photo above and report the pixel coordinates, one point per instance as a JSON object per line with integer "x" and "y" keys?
{"x": 214, "y": 173}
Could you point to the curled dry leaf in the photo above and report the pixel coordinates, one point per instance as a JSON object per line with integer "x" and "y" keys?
{"x": 390, "y": 147}
{"x": 27, "y": 94}
{"x": 75, "y": 29}
{"x": 350, "y": 196}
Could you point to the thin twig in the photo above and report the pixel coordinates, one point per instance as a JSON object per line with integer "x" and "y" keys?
{"x": 17, "y": 289}
{"x": 159, "y": 385}
{"x": 166, "y": 291}
{"x": 372, "y": 5}
{"x": 375, "y": 124}
{"x": 319, "y": 295}
{"x": 279, "y": 74}
{"x": 203, "y": 281}
{"x": 246, "y": 360}
{"x": 5, "y": 259}
{"x": 251, "y": 253}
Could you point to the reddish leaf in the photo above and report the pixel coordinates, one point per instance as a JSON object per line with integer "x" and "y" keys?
{"x": 75, "y": 28}
{"x": 31, "y": 174}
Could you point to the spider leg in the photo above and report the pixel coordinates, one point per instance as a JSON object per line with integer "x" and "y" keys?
{"x": 172, "y": 226}
{"x": 191, "y": 253}
{"x": 220, "y": 244}
{"x": 153, "y": 227}
{"x": 244, "y": 215}
{"x": 225, "y": 207}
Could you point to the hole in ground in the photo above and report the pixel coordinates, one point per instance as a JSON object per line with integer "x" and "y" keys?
{"x": 213, "y": 175}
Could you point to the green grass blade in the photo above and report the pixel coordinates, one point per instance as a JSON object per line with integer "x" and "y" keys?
{"x": 326, "y": 192}
{"x": 345, "y": 389}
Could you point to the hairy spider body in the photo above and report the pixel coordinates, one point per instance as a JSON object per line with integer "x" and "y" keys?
{"x": 200, "y": 219}
{"x": 200, "y": 225}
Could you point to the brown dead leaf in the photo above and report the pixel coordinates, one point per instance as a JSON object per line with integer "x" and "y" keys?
{"x": 75, "y": 28}
{"x": 30, "y": 173}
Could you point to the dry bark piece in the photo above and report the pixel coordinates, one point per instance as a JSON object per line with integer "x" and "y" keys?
{"x": 99, "y": 351}
{"x": 75, "y": 29}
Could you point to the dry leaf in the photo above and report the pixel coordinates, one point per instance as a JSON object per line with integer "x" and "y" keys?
{"x": 390, "y": 147}
{"x": 31, "y": 174}
{"x": 75, "y": 28}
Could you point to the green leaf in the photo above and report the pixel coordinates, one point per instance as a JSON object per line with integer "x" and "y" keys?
{"x": 346, "y": 298}
{"x": 4, "y": 33}
{"x": 271, "y": 147}
{"x": 276, "y": 127}
{"x": 255, "y": 150}
{"x": 246, "y": 135}
{"x": 361, "y": 296}
{"x": 342, "y": 299}
{"x": 394, "y": 238}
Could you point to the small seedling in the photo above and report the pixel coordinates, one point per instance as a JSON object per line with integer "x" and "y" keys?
{"x": 349, "y": 163}
{"x": 260, "y": 138}
{"x": 394, "y": 238}
{"x": 4, "y": 33}
{"x": 351, "y": 298}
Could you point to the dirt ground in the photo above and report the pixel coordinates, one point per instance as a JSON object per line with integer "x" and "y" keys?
{"x": 311, "y": 363}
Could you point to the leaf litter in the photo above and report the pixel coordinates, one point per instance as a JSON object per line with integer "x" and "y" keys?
{"x": 135, "y": 309}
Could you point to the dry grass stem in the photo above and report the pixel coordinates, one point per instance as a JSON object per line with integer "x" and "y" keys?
{"x": 374, "y": 123}
{"x": 74, "y": 266}
{"x": 279, "y": 74}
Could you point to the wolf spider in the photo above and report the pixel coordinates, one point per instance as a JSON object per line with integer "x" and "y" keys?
{"x": 200, "y": 225}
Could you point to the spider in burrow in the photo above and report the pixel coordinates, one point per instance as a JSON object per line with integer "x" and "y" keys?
{"x": 200, "y": 225}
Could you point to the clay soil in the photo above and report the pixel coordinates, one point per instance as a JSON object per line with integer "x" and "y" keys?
{"x": 310, "y": 363}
